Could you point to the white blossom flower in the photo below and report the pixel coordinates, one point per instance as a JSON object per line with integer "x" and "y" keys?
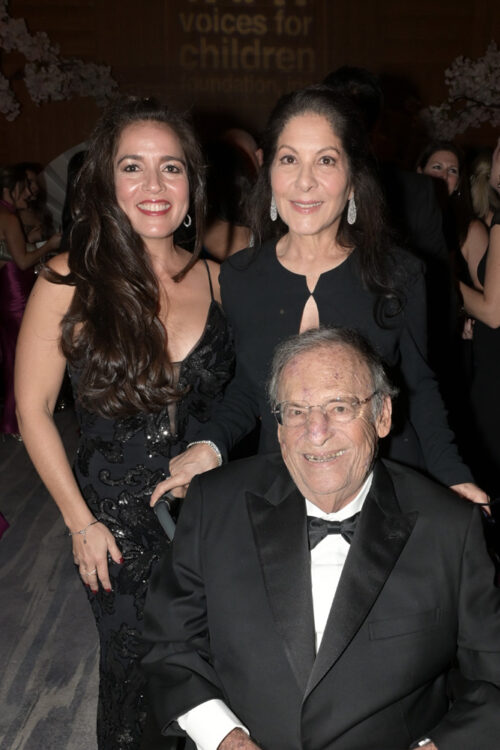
{"x": 473, "y": 96}
{"x": 47, "y": 76}
{"x": 9, "y": 106}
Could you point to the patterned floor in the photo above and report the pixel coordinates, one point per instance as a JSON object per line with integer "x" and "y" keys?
{"x": 48, "y": 640}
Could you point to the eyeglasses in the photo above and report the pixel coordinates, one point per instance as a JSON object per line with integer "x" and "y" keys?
{"x": 340, "y": 410}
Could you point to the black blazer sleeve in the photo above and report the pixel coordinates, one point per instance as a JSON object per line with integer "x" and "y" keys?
{"x": 473, "y": 719}
{"x": 236, "y": 415}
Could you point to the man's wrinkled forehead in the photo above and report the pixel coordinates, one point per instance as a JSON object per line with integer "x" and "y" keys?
{"x": 336, "y": 367}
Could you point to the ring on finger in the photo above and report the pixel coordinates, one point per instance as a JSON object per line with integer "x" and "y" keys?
{"x": 90, "y": 572}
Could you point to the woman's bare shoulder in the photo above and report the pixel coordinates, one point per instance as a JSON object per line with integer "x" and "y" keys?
{"x": 59, "y": 264}
{"x": 48, "y": 293}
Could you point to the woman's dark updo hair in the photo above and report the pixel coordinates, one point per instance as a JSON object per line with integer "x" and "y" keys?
{"x": 369, "y": 234}
{"x": 457, "y": 207}
{"x": 11, "y": 177}
{"x": 112, "y": 333}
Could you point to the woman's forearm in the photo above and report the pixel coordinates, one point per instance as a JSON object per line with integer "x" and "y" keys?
{"x": 479, "y": 306}
{"x": 26, "y": 259}
{"x": 45, "y": 447}
{"x": 39, "y": 372}
{"x": 91, "y": 540}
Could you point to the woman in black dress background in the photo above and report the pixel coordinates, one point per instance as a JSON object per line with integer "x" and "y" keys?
{"x": 136, "y": 318}
{"x": 328, "y": 258}
{"x": 482, "y": 303}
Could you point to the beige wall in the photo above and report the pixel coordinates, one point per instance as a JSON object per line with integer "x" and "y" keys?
{"x": 234, "y": 57}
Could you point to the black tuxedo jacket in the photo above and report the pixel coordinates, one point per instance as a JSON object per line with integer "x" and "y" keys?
{"x": 230, "y": 616}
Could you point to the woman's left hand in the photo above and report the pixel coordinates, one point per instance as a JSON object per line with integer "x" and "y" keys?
{"x": 90, "y": 553}
{"x": 473, "y": 493}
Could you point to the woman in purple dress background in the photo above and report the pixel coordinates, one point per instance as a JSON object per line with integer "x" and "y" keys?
{"x": 16, "y": 279}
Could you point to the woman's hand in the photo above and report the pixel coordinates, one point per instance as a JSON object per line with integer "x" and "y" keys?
{"x": 468, "y": 329}
{"x": 237, "y": 739}
{"x": 90, "y": 553}
{"x": 473, "y": 493}
{"x": 195, "y": 460}
{"x": 52, "y": 243}
{"x": 35, "y": 234}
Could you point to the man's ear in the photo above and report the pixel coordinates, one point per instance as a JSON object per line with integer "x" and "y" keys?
{"x": 383, "y": 423}
{"x": 280, "y": 429}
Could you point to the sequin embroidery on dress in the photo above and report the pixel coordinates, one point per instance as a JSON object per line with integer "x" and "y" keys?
{"x": 118, "y": 464}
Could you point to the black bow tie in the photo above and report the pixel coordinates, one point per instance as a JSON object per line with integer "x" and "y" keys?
{"x": 319, "y": 528}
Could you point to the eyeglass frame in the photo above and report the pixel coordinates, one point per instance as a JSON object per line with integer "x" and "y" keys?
{"x": 354, "y": 401}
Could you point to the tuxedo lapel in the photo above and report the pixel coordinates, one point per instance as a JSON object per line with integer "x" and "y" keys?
{"x": 380, "y": 537}
{"x": 280, "y": 532}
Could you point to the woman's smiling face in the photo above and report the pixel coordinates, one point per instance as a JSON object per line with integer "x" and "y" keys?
{"x": 151, "y": 181}
{"x": 310, "y": 176}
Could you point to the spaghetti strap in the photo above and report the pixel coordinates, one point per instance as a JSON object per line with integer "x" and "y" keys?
{"x": 209, "y": 279}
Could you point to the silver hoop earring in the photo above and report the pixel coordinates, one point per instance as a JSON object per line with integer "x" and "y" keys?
{"x": 273, "y": 211}
{"x": 187, "y": 221}
{"x": 351, "y": 211}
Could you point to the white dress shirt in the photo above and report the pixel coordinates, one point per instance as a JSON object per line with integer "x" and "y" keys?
{"x": 211, "y": 721}
{"x": 328, "y": 558}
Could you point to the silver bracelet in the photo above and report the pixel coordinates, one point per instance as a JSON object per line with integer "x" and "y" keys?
{"x": 83, "y": 531}
{"x": 212, "y": 446}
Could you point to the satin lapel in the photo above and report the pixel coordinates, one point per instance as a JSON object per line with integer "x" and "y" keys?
{"x": 380, "y": 537}
{"x": 281, "y": 538}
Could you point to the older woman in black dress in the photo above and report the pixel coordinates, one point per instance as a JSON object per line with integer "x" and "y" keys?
{"x": 328, "y": 259}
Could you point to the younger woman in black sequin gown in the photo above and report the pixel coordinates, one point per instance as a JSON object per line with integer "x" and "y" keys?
{"x": 137, "y": 319}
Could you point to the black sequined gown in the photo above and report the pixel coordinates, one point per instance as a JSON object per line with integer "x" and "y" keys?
{"x": 118, "y": 464}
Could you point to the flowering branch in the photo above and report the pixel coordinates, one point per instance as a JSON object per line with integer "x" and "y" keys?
{"x": 47, "y": 75}
{"x": 473, "y": 95}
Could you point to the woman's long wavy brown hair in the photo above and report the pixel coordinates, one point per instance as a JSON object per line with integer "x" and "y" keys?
{"x": 111, "y": 332}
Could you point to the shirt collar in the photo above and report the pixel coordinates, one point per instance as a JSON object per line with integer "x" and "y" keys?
{"x": 348, "y": 510}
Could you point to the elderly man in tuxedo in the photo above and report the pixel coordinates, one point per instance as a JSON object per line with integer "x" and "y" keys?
{"x": 321, "y": 599}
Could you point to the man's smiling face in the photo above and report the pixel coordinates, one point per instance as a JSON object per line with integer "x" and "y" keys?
{"x": 327, "y": 460}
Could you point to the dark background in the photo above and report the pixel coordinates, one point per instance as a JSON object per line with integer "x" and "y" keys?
{"x": 230, "y": 59}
